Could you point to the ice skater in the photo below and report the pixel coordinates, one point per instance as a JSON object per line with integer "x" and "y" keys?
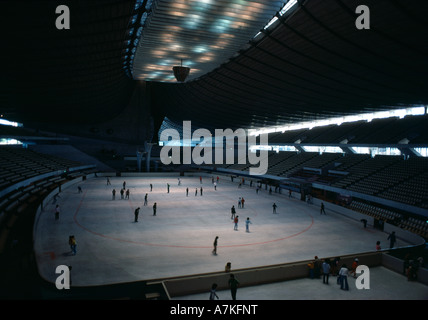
{"x": 236, "y": 223}
{"x": 322, "y": 210}
{"x": 274, "y": 208}
{"x": 215, "y": 246}
{"x": 247, "y": 224}
{"x": 145, "y": 199}
{"x": 378, "y": 247}
{"x": 228, "y": 267}
{"x": 392, "y": 239}
{"x": 73, "y": 245}
{"x": 136, "y": 212}
{"x": 154, "y": 209}
{"x": 233, "y": 212}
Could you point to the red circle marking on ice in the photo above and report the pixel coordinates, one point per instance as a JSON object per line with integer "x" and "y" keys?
{"x": 181, "y": 246}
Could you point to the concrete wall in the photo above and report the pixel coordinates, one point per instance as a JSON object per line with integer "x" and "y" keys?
{"x": 382, "y": 201}
{"x": 402, "y": 234}
{"x": 396, "y": 265}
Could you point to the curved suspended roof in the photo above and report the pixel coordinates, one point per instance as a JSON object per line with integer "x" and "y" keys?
{"x": 197, "y": 34}
{"x": 310, "y": 65}
{"x": 310, "y": 62}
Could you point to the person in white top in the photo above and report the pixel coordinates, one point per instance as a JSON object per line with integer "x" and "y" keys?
{"x": 343, "y": 274}
{"x": 213, "y": 293}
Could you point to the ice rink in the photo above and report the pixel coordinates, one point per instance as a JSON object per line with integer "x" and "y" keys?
{"x": 178, "y": 240}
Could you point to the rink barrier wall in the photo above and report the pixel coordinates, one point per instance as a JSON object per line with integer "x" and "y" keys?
{"x": 396, "y": 264}
{"x": 200, "y": 283}
{"x": 196, "y": 284}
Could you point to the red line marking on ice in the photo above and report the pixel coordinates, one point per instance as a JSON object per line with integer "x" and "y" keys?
{"x": 51, "y": 254}
{"x": 181, "y": 246}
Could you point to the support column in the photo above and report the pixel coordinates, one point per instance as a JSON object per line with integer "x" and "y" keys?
{"x": 139, "y": 158}
{"x": 148, "y": 151}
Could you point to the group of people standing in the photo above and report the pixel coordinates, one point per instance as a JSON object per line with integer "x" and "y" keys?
{"x": 235, "y": 217}
{"x": 233, "y": 284}
{"x": 123, "y": 194}
{"x": 127, "y": 193}
{"x": 137, "y": 210}
{"x": 334, "y": 268}
{"x": 247, "y": 224}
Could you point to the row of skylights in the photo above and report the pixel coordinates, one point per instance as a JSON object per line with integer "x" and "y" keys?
{"x": 133, "y": 33}
{"x": 285, "y": 9}
{"x": 373, "y": 151}
{"x": 400, "y": 113}
{"x": 9, "y": 141}
{"x": 5, "y": 122}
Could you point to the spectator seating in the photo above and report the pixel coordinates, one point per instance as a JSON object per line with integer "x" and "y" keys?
{"x": 29, "y": 172}
{"x": 18, "y": 164}
{"x": 416, "y": 225}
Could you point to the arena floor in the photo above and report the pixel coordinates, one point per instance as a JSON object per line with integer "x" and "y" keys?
{"x": 113, "y": 248}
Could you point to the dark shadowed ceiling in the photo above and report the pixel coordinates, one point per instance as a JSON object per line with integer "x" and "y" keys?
{"x": 310, "y": 64}
{"x": 70, "y": 75}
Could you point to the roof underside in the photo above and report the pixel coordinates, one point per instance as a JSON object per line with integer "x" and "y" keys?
{"x": 311, "y": 64}
{"x": 197, "y": 34}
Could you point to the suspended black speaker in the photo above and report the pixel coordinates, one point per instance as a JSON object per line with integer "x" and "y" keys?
{"x": 181, "y": 72}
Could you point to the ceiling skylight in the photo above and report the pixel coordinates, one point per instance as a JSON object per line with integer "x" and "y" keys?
{"x": 419, "y": 110}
